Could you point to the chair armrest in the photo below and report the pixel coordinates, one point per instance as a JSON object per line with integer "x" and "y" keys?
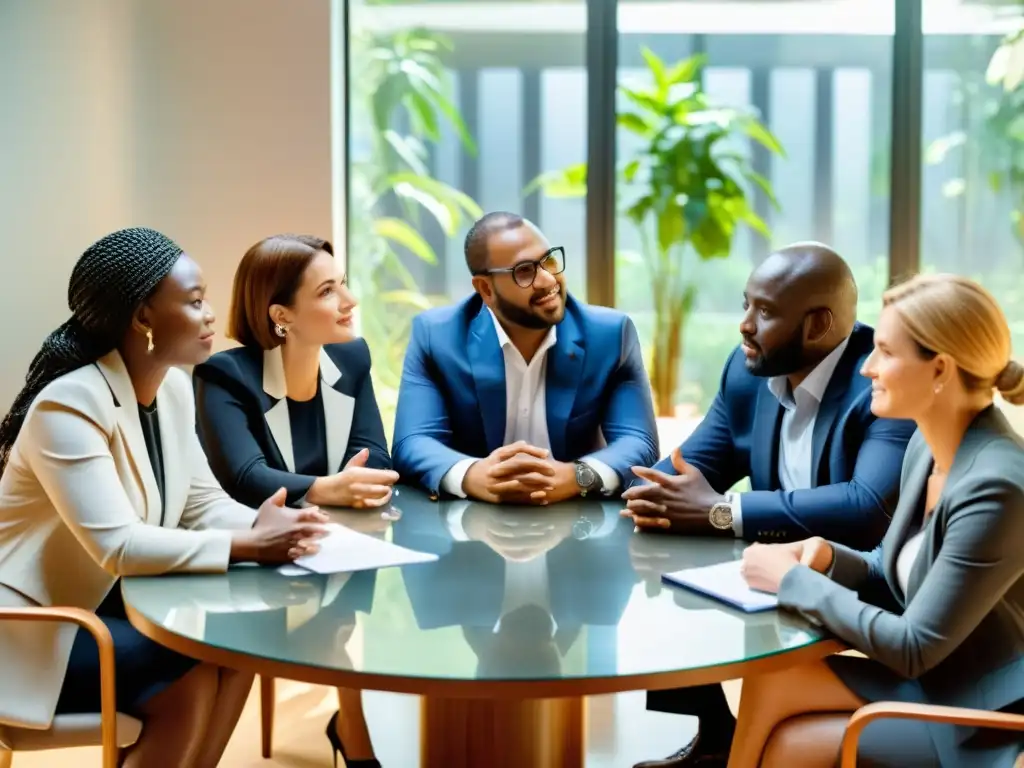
{"x": 932, "y": 712}
{"x": 105, "y": 642}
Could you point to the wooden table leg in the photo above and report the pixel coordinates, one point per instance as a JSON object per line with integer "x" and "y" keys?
{"x": 501, "y": 733}
{"x": 267, "y": 702}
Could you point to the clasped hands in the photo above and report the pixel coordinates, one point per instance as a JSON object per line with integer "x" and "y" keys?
{"x": 765, "y": 565}
{"x": 679, "y": 503}
{"x": 520, "y": 473}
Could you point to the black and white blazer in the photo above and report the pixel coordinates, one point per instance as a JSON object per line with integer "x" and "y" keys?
{"x": 244, "y": 427}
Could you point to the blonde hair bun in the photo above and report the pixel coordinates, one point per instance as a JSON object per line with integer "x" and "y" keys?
{"x": 1010, "y": 383}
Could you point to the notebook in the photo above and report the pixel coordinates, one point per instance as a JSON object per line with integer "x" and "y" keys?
{"x": 723, "y": 582}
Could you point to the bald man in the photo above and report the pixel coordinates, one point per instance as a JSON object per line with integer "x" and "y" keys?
{"x": 792, "y": 414}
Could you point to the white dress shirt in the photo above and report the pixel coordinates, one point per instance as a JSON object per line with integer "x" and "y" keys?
{"x": 526, "y": 583}
{"x": 796, "y": 452}
{"x": 525, "y": 410}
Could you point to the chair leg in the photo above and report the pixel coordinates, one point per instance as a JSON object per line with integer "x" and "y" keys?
{"x": 266, "y": 715}
{"x": 6, "y": 758}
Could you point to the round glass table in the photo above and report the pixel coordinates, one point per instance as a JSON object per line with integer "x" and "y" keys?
{"x": 525, "y": 612}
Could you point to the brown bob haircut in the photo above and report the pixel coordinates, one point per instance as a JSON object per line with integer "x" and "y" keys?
{"x": 269, "y": 273}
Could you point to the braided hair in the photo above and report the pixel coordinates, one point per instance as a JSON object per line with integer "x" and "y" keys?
{"x": 111, "y": 279}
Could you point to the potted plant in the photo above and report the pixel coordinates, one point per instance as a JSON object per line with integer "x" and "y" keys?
{"x": 686, "y": 190}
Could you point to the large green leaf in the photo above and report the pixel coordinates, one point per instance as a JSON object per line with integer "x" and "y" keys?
{"x": 756, "y": 131}
{"x": 634, "y": 123}
{"x": 687, "y": 70}
{"x": 657, "y": 68}
{"x": 408, "y": 149}
{"x": 446, "y": 204}
{"x": 570, "y": 182}
{"x": 400, "y": 232}
{"x": 411, "y": 298}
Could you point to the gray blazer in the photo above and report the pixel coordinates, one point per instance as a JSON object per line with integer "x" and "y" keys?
{"x": 959, "y": 640}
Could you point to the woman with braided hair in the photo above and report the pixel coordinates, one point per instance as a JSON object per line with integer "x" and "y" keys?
{"x": 103, "y": 477}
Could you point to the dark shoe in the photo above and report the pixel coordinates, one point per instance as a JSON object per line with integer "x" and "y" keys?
{"x": 338, "y": 748}
{"x": 687, "y": 756}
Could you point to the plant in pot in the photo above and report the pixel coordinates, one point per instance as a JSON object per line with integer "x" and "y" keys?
{"x": 685, "y": 189}
{"x": 401, "y": 94}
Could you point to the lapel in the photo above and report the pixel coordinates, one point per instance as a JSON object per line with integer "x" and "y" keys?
{"x": 838, "y": 386}
{"x": 562, "y": 380}
{"x": 488, "y": 365}
{"x": 177, "y": 477}
{"x": 127, "y": 415}
{"x": 977, "y": 436}
{"x": 764, "y": 446}
{"x": 338, "y": 412}
{"x": 338, "y": 409}
{"x": 912, "y": 493}
{"x": 277, "y": 417}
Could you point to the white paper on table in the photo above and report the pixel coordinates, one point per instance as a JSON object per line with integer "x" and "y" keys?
{"x": 343, "y": 550}
{"x": 724, "y": 582}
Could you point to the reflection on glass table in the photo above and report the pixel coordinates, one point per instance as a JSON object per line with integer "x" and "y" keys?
{"x": 525, "y": 612}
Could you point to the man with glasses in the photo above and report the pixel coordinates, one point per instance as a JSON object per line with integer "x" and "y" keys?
{"x": 520, "y": 393}
{"x": 792, "y": 415}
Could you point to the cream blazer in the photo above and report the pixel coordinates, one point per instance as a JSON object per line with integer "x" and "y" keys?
{"x": 79, "y": 507}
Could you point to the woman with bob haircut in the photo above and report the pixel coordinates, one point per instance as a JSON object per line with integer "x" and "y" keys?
{"x": 294, "y": 406}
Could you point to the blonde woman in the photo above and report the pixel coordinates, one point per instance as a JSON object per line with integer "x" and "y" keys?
{"x": 951, "y": 558}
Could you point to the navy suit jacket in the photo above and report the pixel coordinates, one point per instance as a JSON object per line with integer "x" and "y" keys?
{"x": 604, "y": 561}
{"x": 856, "y": 457}
{"x": 451, "y": 402}
{"x": 243, "y": 425}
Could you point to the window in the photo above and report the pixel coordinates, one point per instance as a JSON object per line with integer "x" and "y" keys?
{"x": 819, "y": 75}
{"x": 454, "y": 108}
{"x": 970, "y": 201}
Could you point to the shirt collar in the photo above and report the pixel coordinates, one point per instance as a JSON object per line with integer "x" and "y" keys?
{"x": 816, "y": 382}
{"x": 505, "y": 341}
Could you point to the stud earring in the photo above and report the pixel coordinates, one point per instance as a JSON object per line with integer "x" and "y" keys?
{"x": 938, "y": 388}
{"x": 149, "y": 341}
{"x": 280, "y": 330}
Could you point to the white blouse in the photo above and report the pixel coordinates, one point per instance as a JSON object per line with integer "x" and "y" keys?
{"x": 906, "y": 558}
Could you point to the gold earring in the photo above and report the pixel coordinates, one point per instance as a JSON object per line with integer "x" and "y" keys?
{"x": 149, "y": 341}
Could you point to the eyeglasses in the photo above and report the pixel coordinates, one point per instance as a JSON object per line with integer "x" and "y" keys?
{"x": 525, "y": 272}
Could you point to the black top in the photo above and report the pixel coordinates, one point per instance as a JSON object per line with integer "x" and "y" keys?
{"x": 309, "y": 435}
{"x": 231, "y": 411}
{"x": 150, "y": 423}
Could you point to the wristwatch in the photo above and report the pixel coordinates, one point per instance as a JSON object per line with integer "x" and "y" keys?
{"x": 587, "y": 479}
{"x": 720, "y": 515}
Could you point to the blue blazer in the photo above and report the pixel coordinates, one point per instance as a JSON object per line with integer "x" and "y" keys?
{"x": 856, "y": 457}
{"x": 451, "y": 402}
{"x": 243, "y": 425}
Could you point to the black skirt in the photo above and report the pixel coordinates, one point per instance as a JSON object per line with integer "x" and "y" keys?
{"x": 143, "y": 668}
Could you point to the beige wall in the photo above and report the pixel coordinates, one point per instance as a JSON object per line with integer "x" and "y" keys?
{"x": 207, "y": 119}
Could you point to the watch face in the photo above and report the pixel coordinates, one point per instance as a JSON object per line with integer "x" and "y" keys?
{"x": 584, "y": 476}
{"x": 721, "y": 516}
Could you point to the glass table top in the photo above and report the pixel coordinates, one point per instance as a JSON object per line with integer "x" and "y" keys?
{"x": 568, "y": 591}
